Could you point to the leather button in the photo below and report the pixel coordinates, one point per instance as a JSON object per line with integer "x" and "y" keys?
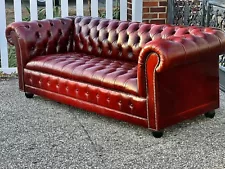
{"x": 67, "y": 89}
{"x": 127, "y": 38}
{"x": 131, "y": 106}
{"x": 138, "y": 40}
{"x": 89, "y": 48}
{"x": 120, "y": 104}
{"x": 37, "y": 34}
{"x": 130, "y": 55}
{"x": 81, "y": 45}
{"x": 107, "y": 35}
{"x": 57, "y": 48}
{"x": 40, "y": 25}
{"x": 109, "y": 52}
{"x": 88, "y": 32}
{"x": 99, "y": 50}
{"x": 60, "y": 32}
{"x": 49, "y": 34}
{"x": 108, "y": 99}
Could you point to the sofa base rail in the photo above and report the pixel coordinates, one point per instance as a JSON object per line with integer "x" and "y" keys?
{"x": 30, "y": 91}
{"x": 87, "y": 106}
{"x": 206, "y": 109}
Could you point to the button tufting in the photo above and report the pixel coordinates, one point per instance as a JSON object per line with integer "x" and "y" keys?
{"x": 67, "y": 88}
{"x": 81, "y": 45}
{"x": 138, "y": 40}
{"x": 89, "y": 48}
{"x": 37, "y": 34}
{"x": 97, "y": 34}
{"x": 97, "y": 96}
{"x": 109, "y": 52}
{"x": 27, "y": 26}
{"x": 99, "y": 50}
{"x": 49, "y": 34}
{"x": 107, "y": 35}
{"x": 88, "y": 32}
{"x": 40, "y": 25}
{"x": 126, "y": 38}
{"x": 131, "y": 106}
{"x": 116, "y": 37}
{"x": 60, "y": 32}
{"x": 130, "y": 55}
{"x": 108, "y": 99}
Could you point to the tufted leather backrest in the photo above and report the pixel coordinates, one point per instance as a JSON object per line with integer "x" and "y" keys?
{"x": 120, "y": 39}
{"x": 108, "y": 38}
{"x": 97, "y": 36}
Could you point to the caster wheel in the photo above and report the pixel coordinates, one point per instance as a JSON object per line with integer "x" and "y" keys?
{"x": 29, "y": 95}
{"x": 210, "y": 114}
{"x": 157, "y": 134}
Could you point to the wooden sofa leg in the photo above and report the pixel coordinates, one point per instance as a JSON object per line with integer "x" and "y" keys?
{"x": 29, "y": 95}
{"x": 210, "y": 114}
{"x": 157, "y": 134}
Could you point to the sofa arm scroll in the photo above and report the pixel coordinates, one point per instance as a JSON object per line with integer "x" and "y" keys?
{"x": 179, "y": 50}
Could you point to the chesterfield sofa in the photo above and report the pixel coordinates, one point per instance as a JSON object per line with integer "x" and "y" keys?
{"x": 146, "y": 74}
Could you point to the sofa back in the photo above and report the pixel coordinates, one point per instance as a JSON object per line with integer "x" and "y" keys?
{"x": 109, "y": 38}
{"x": 100, "y": 37}
{"x": 118, "y": 39}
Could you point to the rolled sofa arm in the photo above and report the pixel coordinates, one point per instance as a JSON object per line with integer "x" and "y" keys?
{"x": 184, "y": 49}
{"x": 37, "y": 38}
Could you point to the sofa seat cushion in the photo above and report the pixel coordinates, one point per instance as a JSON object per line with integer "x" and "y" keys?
{"x": 107, "y": 73}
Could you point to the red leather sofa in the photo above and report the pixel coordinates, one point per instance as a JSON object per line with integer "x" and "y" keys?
{"x": 150, "y": 75}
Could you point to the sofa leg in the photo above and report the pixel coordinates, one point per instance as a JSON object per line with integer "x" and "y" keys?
{"x": 29, "y": 95}
{"x": 157, "y": 134}
{"x": 210, "y": 114}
